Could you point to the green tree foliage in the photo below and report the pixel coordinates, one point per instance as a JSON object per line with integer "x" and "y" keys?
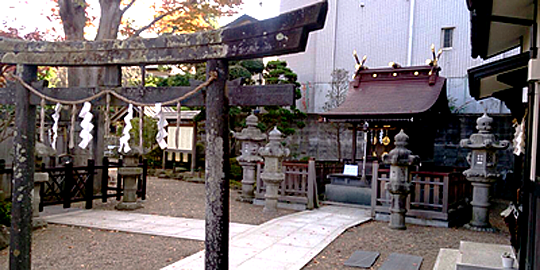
{"x": 286, "y": 119}
{"x": 238, "y": 71}
{"x": 5, "y": 213}
{"x": 149, "y": 132}
{"x": 275, "y": 72}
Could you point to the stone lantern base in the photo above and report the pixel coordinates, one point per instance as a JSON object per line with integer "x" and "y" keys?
{"x": 248, "y": 181}
{"x": 129, "y": 200}
{"x": 129, "y": 206}
{"x": 271, "y": 196}
{"x": 480, "y": 205}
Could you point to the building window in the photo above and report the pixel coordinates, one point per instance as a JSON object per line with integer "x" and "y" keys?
{"x": 447, "y": 37}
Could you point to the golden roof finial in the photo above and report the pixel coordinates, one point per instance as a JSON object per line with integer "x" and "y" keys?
{"x": 359, "y": 64}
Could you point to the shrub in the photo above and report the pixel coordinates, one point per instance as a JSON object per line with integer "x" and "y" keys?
{"x": 5, "y": 213}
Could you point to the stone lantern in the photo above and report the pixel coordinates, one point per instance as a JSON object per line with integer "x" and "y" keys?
{"x": 251, "y": 138}
{"x": 483, "y": 172}
{"x": 39, "y": 179}
{"x": 130, "y": 173}
{"x": 43, "y": 154}
{"x": 400, "y": 159}
{"x": 273, "y": 175}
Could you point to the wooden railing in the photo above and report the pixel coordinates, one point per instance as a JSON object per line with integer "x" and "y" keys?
{"x": 433, "y": 194}
{"x": 298, "y": 187}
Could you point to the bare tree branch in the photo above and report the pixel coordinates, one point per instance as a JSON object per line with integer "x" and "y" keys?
{"x": 156, "y": 19}
{"x": 127, "y": 7}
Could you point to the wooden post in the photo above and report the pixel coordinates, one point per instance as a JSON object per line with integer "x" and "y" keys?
{"x": 144, "y": 178}
{"x": 354, "y": 135}
{"x": 164, "y": 159}
{"x": 217, "y": 169}
{"x": 119, "y": 181}
{"x": 98, "y": 143}
{"x": 89, "y": 185}
{"x": 194, "y": 149}
{"x": 374, "y": 187}
{"x": 68, "y": 185}
{"x": 312, "y": 185}
{"x": 23, "y": 173}
{"x": 141, "y": 129}
{"x": 105, "y": 180}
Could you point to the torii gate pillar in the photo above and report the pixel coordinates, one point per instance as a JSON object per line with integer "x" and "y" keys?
{"x": 23, "y": 173}
{"x": 217, "y": 168}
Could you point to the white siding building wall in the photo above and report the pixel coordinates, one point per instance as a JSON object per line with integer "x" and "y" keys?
{"x": 380, "y": 30}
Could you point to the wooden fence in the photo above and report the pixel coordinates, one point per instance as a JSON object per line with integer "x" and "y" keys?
{"x": 299, "y": 186}
{"x": 434, "y": 195}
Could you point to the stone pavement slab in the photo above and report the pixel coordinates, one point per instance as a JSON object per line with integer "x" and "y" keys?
{"x": 288, "y": 242}
{"x": 363, "y": 259}
{"x": 184, "y": 228}
{"x": 402, "y": 262}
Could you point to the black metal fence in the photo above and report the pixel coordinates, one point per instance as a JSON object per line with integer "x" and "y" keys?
{"x": 69, "y": 184}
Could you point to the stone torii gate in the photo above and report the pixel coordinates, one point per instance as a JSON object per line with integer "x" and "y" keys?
{"x": 285, "y": 34}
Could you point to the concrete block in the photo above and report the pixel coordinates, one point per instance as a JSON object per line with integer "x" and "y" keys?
{"x": 447, "y": 259}
{"x": 348, "y": 194}
{"x": 477, "y": 256}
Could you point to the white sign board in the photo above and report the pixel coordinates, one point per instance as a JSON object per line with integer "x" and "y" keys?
{"x": 186, "y": 138}
{"x": 350, "y": 170}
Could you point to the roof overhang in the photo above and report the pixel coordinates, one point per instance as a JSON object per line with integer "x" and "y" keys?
{"x": 389, "y": 94}
{"x": 499, "y": 25}
{"x": 490, "y": 78}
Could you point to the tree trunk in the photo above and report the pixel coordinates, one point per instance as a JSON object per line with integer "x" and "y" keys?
{"x": 72, "y": 13}
{"x": 73, "y": 18}
{"x": 110, "y": 19}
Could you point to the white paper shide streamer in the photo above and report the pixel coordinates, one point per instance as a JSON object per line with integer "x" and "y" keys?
{"x": 162, "y": 124}
{"x": 124, "y": 140}
{"x": 86, "y": 125}
{"x": 519, "y": 138}
{"x": 55, "y": 117}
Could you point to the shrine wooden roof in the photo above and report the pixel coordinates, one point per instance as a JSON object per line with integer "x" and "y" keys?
{"x": 391, "y": 93}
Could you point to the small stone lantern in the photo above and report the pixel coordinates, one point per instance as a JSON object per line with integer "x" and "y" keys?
{"x": 273, "y": 175}
{"x": 43, "y": 153}
{"x": 483, "y": 172}
{"x": 400, "y": 159}
{"x": 39, "y": 179}
{"x": 251, "y": 138}
{"x": 130, "y": 173}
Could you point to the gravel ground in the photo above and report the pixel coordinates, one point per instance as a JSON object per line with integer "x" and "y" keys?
{"x": 417, "y": 240}
{"x": 177, "y": 198}
{"x": 65, "y": 247}
{"x": 60, "y": 247}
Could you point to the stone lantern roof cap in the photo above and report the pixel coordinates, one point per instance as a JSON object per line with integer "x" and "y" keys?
{"x": 401, "y": 139}
{"x": 483, "y": 124}
{"x": 251, "y": 132}
{"x": 252, "y": 120}
{"x": 400, "y": 155}
{"x": 275, "y": 135}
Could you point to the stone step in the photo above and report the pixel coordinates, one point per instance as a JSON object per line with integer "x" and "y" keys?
{"x": 447, "y": 259}
{"x": 476, "y": 256}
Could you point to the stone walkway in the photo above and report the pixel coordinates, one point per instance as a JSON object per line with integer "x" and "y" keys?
{"x": 288, "y": 242}
{"x": 184, "y": 228}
